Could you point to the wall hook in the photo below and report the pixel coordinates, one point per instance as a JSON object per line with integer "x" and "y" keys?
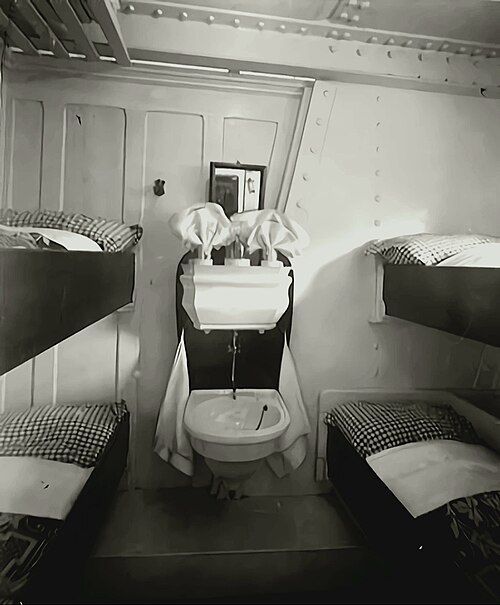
{"x": 159, "y": 187}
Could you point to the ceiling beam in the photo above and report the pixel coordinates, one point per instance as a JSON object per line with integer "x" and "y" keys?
{"x": 40, "y": 25}
{"x": 52, "y": 18}
{"x": 15, "y": 36}
{"x": 105, "y": 14}
{"x": 75, "y": 28}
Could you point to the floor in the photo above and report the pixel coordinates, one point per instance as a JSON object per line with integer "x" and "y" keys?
{"x": 183, "y": 545}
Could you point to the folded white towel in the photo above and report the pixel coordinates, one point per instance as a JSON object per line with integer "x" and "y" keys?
{"x": 292, "y": 446}
{"x": 171, "y": 439}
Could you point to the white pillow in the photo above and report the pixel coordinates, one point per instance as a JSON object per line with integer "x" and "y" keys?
{"x": 67, "y": 239}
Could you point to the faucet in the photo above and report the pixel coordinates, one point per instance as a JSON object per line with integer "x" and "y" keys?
{"x": 235, "y": 348}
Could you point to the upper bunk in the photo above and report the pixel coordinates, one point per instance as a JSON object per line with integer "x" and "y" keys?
{"x": 56, "y": 282}
{"x": 450, "y": 283}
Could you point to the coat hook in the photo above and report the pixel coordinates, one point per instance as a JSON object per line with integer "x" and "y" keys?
{"x": 159, "y": 187}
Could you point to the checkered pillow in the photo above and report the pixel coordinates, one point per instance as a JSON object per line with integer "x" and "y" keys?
{"x": 112, "y": 236}
{"x": 373, "y": 427}
{"x": 75, "y": 434}
{"x": 425, "y": 248}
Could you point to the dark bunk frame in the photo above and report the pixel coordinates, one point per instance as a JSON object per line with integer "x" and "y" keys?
{"x": 415, "y": 562}
{"x": 45, "y": 297}
{"x": 458, "y": 300}
{"x": 461, "y": 301}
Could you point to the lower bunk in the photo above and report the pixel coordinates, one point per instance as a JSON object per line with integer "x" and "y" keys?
{"x": 422, "y": 480}
{"x": 60, "y": 467}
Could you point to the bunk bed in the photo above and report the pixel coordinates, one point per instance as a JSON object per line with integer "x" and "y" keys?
{"x": 60, "y": 465}
{"x": 432, "y": 512}
{"x": 51, "y": 289}
{"x": 450, "y": 283}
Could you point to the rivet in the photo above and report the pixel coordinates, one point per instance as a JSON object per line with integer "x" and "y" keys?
{"x": 492, "y": 53}
{"x": 130, "y": 8}
{"x": 373, "y": 39}
{"x": 474, "y": 83}
{"x": 305, "y": 177}
{"x": 377, "y": 124}
{"x": 448, "y": 60}
{"x": 211, "y": 19}
{"x": 377, "y": 372}
{"x": 377, "y": 148}
{"x": 325, "y": 93}
{"x": 476, "y": 63}
{"x": 183, "y": 16}
{"x": 236, "y": 22}
{"x": 157, "y": 13}
{"x": 355, "y": 18}
{"x": 378, "y": 97}
{"x": 303, "y": 30}
{"x": 377, "y": 198}
{"x": 346, "y": 35}
{"x": 364, "y": 4}
{"x": 389, "y": 54}
{"x": 332, "y": 48}
{"x": 428, "y": 45}
{"x": 446, "y": 79}
{"x": 377, "y": 172}
{"x": 376, "y": 346}
{"x": 333, "y": 33}
{"x": 420, "y": 57}
{"x": 261, "y": 24}
{"x": 377, "y": 222}
{"x": 319, "y": 121}
{"x": 390, "y": 41}
{"x": 299, "y": 204}
{"x": 445, "y": 46}
{"x": 462, "y": 49}
{"x": 282, "y": 28}
{"x": 358, "y": 52}
{"x": 344, "y": 16}
{"x": 312, "y": 150}
{"x": 408, "y": 43}
{"x": 477, "y": 51}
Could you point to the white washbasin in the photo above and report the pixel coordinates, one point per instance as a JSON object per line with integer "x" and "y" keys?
{"x": 227, "y": 429}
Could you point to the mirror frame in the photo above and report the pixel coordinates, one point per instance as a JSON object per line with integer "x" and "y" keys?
{"x": 238, "y": 166}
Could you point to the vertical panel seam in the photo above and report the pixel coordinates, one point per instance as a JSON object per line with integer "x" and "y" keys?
{"x": 40, "y": 174}
{"x": 62, "y": 168}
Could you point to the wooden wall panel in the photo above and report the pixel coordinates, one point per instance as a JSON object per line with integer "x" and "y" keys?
{"x": 16, "y": 388}
{"x": 249, "y": 141}
{"x": 94, "y": 160}
{"x": 24, "y": 174}
{"x": 174, "y": 153}
{"x": 259, "y": 141}
{"x": 132, "y": 133}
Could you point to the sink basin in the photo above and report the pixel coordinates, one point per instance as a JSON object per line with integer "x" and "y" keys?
{"x": 227, "y": 429}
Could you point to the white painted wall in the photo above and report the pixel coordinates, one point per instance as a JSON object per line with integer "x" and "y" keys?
{"x": 383, "y": 162}
{"x": 97, "y": 145}
{"x": 437, "y": 155}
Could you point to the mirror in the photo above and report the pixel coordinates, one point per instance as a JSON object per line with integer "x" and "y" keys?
{"x": 237, "y": 187}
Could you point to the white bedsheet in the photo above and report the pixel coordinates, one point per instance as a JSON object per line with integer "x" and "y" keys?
{"x": 42, "y": 488}
{"x": 67, "y": 239}
{"x": 483, "y": 255}
{"x": 426, "y": 475}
